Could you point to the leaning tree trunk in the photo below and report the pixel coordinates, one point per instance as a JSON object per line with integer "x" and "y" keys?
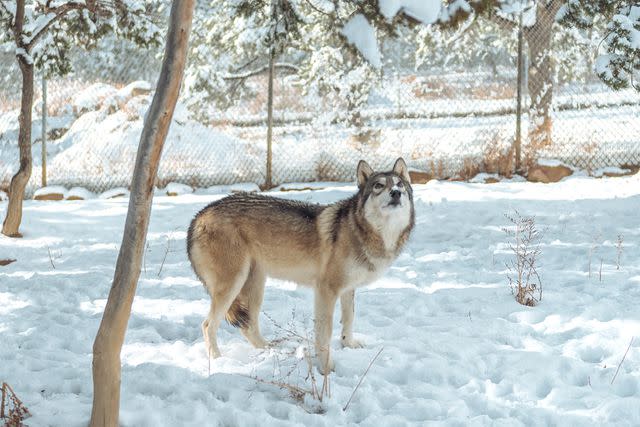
{"x": 541, "y": 75}
{"x": 19, "y": 181}
{"x": 110, "y": 337}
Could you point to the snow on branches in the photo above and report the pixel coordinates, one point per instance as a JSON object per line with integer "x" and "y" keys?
{"x": 324, "y": 46}
{"x": 621, "y": 62}
{"x": 618, "y": 60}
{"x": 43, "y": 31}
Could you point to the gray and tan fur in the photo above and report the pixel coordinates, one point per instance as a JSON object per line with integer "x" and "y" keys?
{"x": 236, "y": 242}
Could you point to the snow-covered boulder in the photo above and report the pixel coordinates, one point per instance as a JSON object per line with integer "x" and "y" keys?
{"x": 54, "y": 192}
{"x": 79, "y": 193}
{"x": 134, "y": 89}
{"x": 241, "y": 187}
{"x": 114, "y": 193}
{"x": 612, "y": 171}
{"x": 92, "y": 98}
{"x": 485, "y": 178}
{"x": 547, "y": 171}
{"x": 177, "y": 189}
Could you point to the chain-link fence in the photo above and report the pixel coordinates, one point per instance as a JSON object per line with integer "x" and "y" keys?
{"x": 452, "y": 115}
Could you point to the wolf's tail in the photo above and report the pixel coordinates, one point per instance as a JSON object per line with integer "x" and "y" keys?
{"x": 238, "y": 314}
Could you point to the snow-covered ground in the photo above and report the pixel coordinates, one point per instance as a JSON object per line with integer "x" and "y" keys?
{"x": 458, "y": 350}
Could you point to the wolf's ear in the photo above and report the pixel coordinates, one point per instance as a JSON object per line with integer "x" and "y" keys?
{"x": 400, "y": 167}
{"x": 363, "y": 173}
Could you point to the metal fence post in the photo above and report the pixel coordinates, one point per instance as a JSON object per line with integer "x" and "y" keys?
{"x": 269, "y": 179}
{"x": 518, "y": 142}
{"x": 44, "y": 131}
{"x": 272, "y": 53}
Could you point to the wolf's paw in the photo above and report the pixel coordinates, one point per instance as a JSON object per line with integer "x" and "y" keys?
{"x": 331, "y": 367}
{"x": 214, "y": 353}
{"x": 261, "y": 343}
{"x": 351, "y": 343}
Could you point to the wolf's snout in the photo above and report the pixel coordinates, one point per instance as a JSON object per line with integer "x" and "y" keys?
{"x": 395, "y": 195}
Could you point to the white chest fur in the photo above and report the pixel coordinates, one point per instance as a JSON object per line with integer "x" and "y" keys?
{"x": 389, "y": 222}
{"x": 362, "y": 274}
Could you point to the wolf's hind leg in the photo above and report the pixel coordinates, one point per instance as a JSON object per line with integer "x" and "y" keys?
{"x": 253, "y": 292}
{"x": 347, "y": 308}
{"x": 222, "y": 297}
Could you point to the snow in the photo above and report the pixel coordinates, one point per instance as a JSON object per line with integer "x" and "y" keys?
{"x": 233, "y": 188}
{"x": 133, "y": 89}
{"x": 80, "y": 193}
{"x": 363, "y": 36}
{"x": 611, "y": 170}
{"x": 426, "y": 11}
{"x": 457, "y": 348}
{"x": 22, "y": 52}
{"x": 552, "y": 163}
{"x": 177, "y": 189}
{"x": 115, "y": 193}
{"x": 629, "y": 24}
{"x": 92, "y": 97}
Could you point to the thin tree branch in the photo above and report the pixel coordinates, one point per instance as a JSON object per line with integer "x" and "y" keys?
{"x": 18, "y": 21}
{"x": 317, "y": 9}
{"x": 280, "y": 65}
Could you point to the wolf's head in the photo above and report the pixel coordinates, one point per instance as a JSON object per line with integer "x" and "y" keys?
{"x": 386, "y": 191}
{"x": 386, "y": 198}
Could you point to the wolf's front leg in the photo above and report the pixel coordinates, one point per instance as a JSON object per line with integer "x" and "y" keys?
{"x": 348, "y": 311}
{"x": 325, "y": 302}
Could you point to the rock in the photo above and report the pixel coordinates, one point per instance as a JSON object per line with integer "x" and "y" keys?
{"x": 548, "y": 173}
{"x": 79, "y": 193}
{"x": 176, "y": 189}
{"x": 418, "y": 177}
{"x": 49, "y": 196}
{"x": 114, "y": 193}
{"x": 50, "y": 193}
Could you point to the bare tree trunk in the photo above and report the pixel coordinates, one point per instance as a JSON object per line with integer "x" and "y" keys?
{"x": 541, "y": 74}
{"x": 19, "y": 181}
{"x": 110, "y": 337}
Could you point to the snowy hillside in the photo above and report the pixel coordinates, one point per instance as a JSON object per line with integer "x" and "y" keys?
{"x": 456, "y": 348}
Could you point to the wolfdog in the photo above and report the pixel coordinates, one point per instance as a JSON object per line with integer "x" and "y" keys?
{"x": 236, "y": 242}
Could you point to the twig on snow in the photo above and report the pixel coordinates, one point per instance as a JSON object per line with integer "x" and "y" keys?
{"x": 362, "y": 378}
{"x": 622, "y": 361}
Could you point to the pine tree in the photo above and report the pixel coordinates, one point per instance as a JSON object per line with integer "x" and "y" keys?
{"x": 618, "y": 65}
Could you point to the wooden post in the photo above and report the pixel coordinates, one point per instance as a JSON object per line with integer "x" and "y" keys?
{"x": 110, "y": 337}
{"x": 44, "y": 131}
{"x": 518, "y": 142}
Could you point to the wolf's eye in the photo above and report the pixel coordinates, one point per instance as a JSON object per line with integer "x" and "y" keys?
{"x": 400, "y": 184}
{"x": 378, "y": 186}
